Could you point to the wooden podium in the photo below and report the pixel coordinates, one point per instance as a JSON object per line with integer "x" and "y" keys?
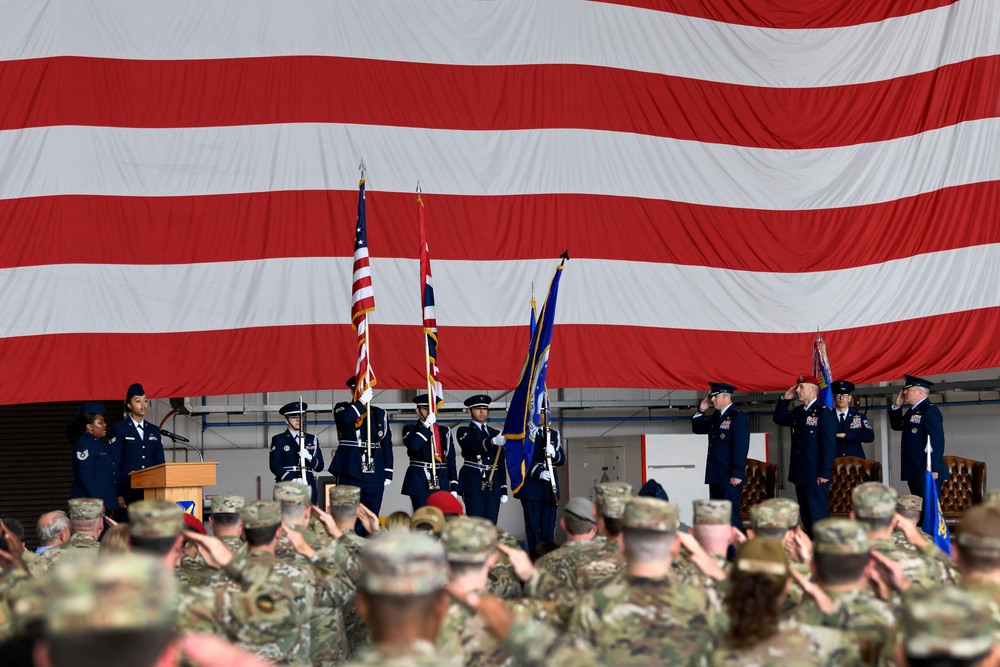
{"x": 176, "y": 481}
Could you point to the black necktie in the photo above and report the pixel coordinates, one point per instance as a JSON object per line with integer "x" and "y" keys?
{"x": 843, "y": 420}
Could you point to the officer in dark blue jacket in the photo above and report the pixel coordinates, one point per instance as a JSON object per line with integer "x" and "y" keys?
{"x": 483, "y": 455}
{"x": 95, "y": 470}
{"x": 728, "y": 431}
{"x": 350, "y": 460}
{"x": 418, "y": 483}
{"x": 922, "y": 426}
{"x": 814, "y": 443}
{"x": 137, "y": 443}
{"x": 853, "y": 428}
{"x": 290, "y": 456}
{"x": 538, "y": 500}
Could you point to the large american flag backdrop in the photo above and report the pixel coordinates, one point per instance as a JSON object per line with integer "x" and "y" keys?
{"x": 178, "y": 189}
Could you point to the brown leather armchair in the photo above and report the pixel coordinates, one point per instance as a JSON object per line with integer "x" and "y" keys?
{"x": 965, "y": 488}
{"x": 848, "y": 472}
{"x": 761, "y": 484}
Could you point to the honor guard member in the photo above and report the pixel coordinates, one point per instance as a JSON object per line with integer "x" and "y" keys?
{"x": 728, "y": 431}
{"x": 290, "y": 455}
{"x": 922, "y": 427}
{"x": 853, "y": 428}
{"x": 95, "y": 468}
{"x": 483, "y": 455}
{"x": 814, "y": 443}
{"x": 418, "y": 482}
{"x": 539, "y": 494}
{"x": 350, "y": 461}
{"x": 137, "y": 444}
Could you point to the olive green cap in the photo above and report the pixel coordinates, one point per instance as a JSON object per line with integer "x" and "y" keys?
{"x": 773, "y": 514}
{"x": 992, "y": 497}
{"x": 83, "y": 509}
{"x": 404, "y": 564}
{"x": 345, "y": 496}
{"x": 469, "y": 539}
{"x": 227, "y": 503}
{"x": 980, "y": 528}
{"x": 611, "y": 498}
{"x": 873, "y": 500}
{"x": 840, "y": 536}
{"x": 712, "y": 512}
{"x": 948, "y": 622}
{"x": 651, "y": 514}
{"x": 427, "y": 517}
{"x": 909, "y": 503}
{"x": 155, "y": 518}
{"x": 762, "y": 555}
{"x": 121, "y": 592}
{"x": 261, "y": 514}
{"x": 292, "y": 493}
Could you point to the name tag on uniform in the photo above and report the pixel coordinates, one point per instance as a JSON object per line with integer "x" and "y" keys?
{"x": 128, "y": 437}
{"x": 725, "y": 425}
{"x": 812, "y": 420}
{"x": 915, "y": 419}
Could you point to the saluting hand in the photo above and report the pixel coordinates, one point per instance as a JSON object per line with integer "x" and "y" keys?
{"x": 899, "y": 399}
{"x": 790, "y": 394}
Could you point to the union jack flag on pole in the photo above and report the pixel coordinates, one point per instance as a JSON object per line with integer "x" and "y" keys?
{"x": 430, "y": 328}
{"x": 362, "y": 299}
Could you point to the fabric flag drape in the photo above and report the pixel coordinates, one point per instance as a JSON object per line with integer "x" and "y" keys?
{"x": 362, "y": 300}
{"x": 521, "y": 425}
{"x": 534, "y": 317}
{"x": 430, "y": 328}
{"x": 934, "y": 524}
{"x": 821, "y": 369}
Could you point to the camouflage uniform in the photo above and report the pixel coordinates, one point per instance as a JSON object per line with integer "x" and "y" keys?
{"x": 503, "y": 581}
{"x": 781, "y": 513}
{"x": 229, "y": 503}
{"x": 947, "y": 623}
{"x": 980, "y": 530}
{"x": 79, "y": 544}
{"x": 638, "y": 620}
{"x": 345, "y": 554}
{"x": 553, "y": 579}
{"x": 606, "y": 561}
{"x": 401, "y": 564}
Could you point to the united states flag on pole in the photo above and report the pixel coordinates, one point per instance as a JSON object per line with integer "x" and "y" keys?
{"x": 730, "y": 175}
{"x": 362, "y": 299}
{"x": 435, "y": 392}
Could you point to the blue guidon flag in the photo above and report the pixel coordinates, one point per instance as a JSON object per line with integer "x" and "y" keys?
{"x": 822, "y": 372}
{"x": 521, "y": 426}
{"x": 934, "y": 524}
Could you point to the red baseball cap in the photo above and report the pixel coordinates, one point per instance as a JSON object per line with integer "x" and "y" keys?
{"x": 447, "y": 503}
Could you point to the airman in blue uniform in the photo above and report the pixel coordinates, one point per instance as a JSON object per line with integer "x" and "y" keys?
{"x": 418, "y": 481}
{"x": 137, "y": 443}
{"x": 814, "y": 443}
{"x": 538, "y": 501}
{"x": 728, "y": 431}
{"x": 291, "y": 454}
{"x": 483, "y": 455}
{"x": 95, "y": 469}
{"x": 922, "y": 426}
{"x": 350, "y": 460}
{"x": 853, "y": 428}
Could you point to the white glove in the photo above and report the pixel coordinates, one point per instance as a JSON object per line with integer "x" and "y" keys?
{"x": 305, "y": 455}
{"x": 545, "y": 475}
{"x": 455, "y": 493}
{"x": 388, "y": 482}
{"x": 498, "y": 440}
{"x": 430, "y": 419}
{"x": 366, "y": 397}
{"x": 503, "y": 499}
{"x": 551, "y": 451}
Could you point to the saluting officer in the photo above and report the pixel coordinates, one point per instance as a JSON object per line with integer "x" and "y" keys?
{"x": 852, "y": 426}
{"x": 922, "y": 426}
{"x": 536, "y": 493}
{"x": 289, "y": 454}
{"x": 417, "y": 437}
{"x": 137, "y": 444}
{"x": 483, "y": 454}
{"x": 95, "y": 469}
{"x": 350, "y": 461}
{"x": 728, "y": 431}
{"x": 814, "y": 442}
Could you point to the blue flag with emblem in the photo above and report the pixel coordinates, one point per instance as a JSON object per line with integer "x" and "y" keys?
{"x": 934, "y": 524}
{"x": 821, "y": 369}
{"x": 521, "y": 426}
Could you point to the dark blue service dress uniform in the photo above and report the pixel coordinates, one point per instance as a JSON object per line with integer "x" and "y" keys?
{"x": 95, "y": 471}
{"x": 857, "y": 430}
{"x": 286, "y": 465}
{"x": 478, "y": 453}
{"x": 416, "y": 482}
{"x": 535, "y": 493}
{"x": 351, "y": 449}
{"x": 921, "y": 422}
{"x": 136, "y": 449}
{"x": 814, "y": 443}
{"x": 728, "y": 444}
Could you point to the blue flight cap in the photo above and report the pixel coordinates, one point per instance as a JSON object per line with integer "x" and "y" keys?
{"x": 292, "y": 409}
{"x": 91, "y": 408}
{"x": 914, "y": 381}
{"x": 842, "y": 387}
{"x": 653, "y": 489}
{"x": 478, "y": 401}
{"x": 720, "y": 388}
{"x": 134, "y": 389}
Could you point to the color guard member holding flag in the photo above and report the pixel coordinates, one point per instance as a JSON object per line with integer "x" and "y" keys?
{"x": 483, "y": 478}
{"x": 539, "y": 495}
{"x": 290, "y": 453}
{"x": 922, "y": 427}
{"x": 417, "y": 437}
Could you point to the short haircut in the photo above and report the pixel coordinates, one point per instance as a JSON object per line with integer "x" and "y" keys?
{"x": 460, "y": 569}
{"x": 402, "y": 609}
{"x": 613, "y": 527}
{"x": 86, "y": 525}
{"x": 15, "y": 527}
{"x": 772, "y": 532}
{"x": 293, "y": 513}
{"x": 155, "y": 546}
{"x": 134, "y": 648}
{"x": 344, "y": 514}
{"x": 837, "y": 569}
{"x": 261, "y": 536}
{"x": 977, "y": 559}
{"x": 577, "y": 526}
{"x": 875, "y": 524}
{"x": 47, "y": 533}
{"x": 542, "y": 548}
{"x": 646, "y": 546}
{"x": 225, "y": 519}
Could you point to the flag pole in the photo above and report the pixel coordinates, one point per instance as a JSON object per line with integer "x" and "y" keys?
{"x": 431, "y": 396}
